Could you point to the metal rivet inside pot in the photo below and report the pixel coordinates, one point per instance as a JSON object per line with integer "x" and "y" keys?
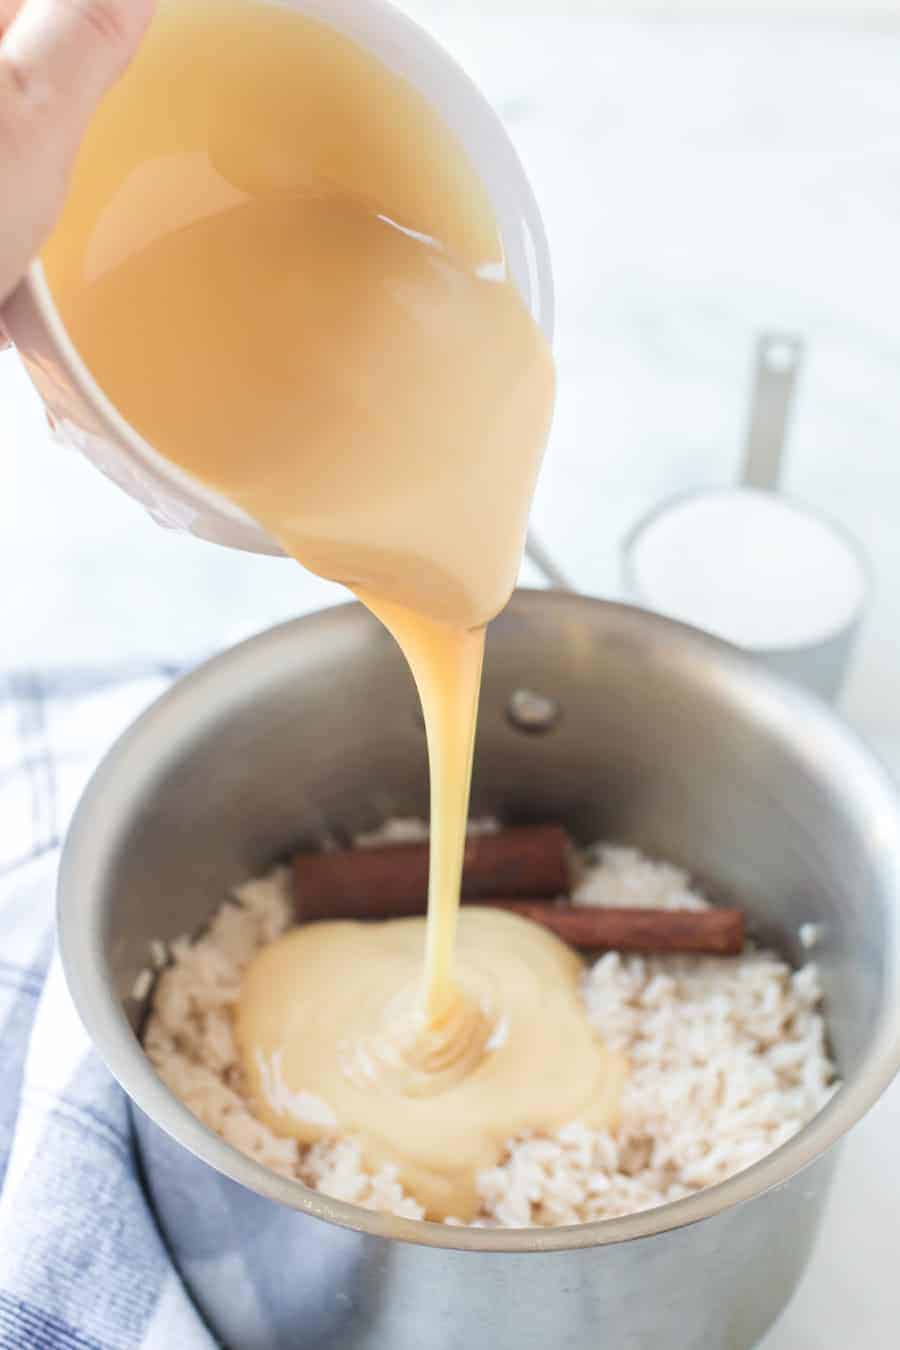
{"x": 531, "y": 712}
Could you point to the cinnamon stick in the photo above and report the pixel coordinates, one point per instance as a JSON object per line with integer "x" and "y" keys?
{"x": 378, "y": 883}
{"x": 717, "y": 932}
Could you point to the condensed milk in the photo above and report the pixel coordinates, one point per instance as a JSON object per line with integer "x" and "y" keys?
{"x": 279, "y": 264}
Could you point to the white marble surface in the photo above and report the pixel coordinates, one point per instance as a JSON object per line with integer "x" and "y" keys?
{"x": 700, "y": 181}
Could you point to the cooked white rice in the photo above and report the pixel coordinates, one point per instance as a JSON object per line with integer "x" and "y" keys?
{"x": 728, "y": 1060}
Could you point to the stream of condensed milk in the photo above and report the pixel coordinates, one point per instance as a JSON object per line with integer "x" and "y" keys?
{"x": 281, "y": 267}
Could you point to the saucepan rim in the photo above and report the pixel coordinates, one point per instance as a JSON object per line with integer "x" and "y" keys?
{"x": 82, "y": 901}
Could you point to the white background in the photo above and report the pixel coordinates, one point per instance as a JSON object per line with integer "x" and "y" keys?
{"x": 702, "y": 178}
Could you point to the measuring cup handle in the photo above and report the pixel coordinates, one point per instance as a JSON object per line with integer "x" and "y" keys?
{"x": 779, "y": 357}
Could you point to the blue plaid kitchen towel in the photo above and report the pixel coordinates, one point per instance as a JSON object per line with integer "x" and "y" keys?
{"x": 82, "y": 1264}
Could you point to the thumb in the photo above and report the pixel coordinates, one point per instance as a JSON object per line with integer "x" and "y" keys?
{"x": 57, "y": 59}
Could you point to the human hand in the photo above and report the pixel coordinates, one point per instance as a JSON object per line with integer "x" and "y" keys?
{"x": 57, "y": 60}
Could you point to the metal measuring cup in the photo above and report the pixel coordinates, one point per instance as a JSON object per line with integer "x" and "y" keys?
{"x": 818, "y": 659}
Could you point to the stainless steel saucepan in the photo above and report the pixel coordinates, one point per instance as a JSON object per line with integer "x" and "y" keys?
{"x": 657, "y": 737}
